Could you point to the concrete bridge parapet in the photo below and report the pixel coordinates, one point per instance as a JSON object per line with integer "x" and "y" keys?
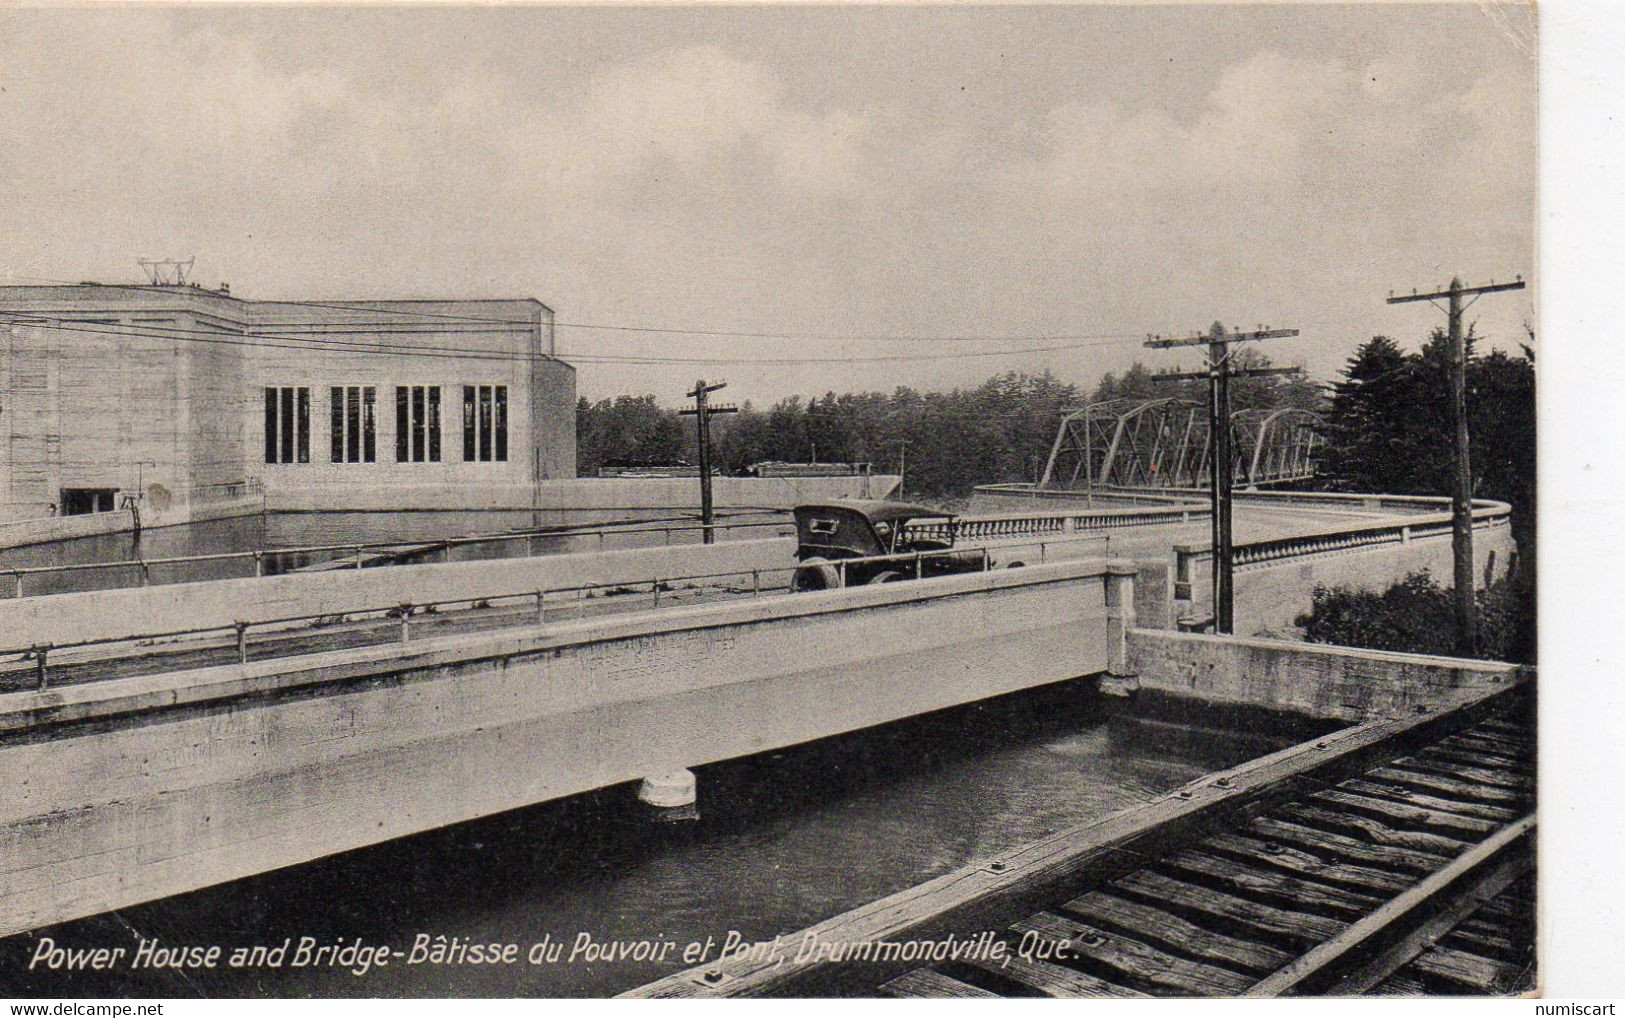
{"x": 1275, "y": 578}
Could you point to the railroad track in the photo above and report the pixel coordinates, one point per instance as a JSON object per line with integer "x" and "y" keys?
{"x": 1412, "y": 876}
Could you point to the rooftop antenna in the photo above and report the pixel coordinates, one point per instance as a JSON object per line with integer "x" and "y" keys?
{"x": 166, "y": 271}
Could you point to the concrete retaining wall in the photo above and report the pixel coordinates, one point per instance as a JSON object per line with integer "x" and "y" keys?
{"x": 105, "y": 614}
{"x": 45, "y": 529}
{"x": 127, "y": 790}
{"x": 584, "y": 494}
{"x": 1317, "y": 679}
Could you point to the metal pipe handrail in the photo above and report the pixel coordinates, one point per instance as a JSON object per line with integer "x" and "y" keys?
{"x": 404, "y": 611}
{"x": 357, "y": 548}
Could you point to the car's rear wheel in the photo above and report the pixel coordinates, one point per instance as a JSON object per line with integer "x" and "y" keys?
{"x": 886, "y": 576}
{"x": 816, "y": 574}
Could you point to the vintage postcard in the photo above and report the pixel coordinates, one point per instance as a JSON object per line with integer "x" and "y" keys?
{"x": 646, "y": 500}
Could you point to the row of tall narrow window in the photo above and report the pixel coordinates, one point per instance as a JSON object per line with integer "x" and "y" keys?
{"x": 353, "y": 424}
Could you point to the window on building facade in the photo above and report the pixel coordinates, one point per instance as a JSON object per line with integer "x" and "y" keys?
{"x": 287, "y": 424}
{"x": 417, "y": 424}
{"x": 485, "y": 423}
{"x": 354, "y": 424}
{"x": 80, "y": 501}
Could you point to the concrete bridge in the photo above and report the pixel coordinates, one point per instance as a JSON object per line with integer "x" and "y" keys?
{"x": 148, "y": 775}
{"x": 128, "y": 789}
{"x": 1286, "y": 544}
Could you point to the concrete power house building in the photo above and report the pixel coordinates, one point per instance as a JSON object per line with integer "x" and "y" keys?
{"x": 182, "y": 397}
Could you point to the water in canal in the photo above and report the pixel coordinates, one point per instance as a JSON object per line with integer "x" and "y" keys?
{"x": 786, "y": 839}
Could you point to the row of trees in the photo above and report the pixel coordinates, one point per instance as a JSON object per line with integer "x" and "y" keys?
{"x": 999, "y": 431}
{"x": 1387, "y": 427}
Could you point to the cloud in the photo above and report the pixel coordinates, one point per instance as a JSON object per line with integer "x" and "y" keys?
{"x": 695, "y": 117}
{"x": 1254, "y": 130}
{"x": 708, "y": 183}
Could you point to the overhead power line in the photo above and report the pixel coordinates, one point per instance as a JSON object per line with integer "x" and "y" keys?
{"x": 363, "y": 308}
{"x": 835, "y": 337}
{"x": 294, "y": 341}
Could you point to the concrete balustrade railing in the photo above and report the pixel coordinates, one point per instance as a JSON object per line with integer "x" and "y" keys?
{"x": 36, "y": 580}
{"x": 1354, "y": 502}
{"x": 1486, "y": 514}
{"x": 991, "y": 526}
{"x": 1351, "y": 501}
{"x": 1276, "y": 578}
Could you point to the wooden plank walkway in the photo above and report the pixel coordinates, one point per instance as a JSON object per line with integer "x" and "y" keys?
{"x": 1345, "y": 889}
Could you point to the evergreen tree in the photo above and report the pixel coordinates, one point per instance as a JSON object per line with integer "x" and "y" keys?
{"x": 1360, "y": 418}
{"x": 1389, "y": 429}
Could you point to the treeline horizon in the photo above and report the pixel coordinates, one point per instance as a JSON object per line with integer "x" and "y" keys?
{"x": 997, "y": 432}
{"x": 1387, "y": 425}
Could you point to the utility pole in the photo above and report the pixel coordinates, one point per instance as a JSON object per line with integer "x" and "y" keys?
{"x": 1221, "y": 469}
{"x": 1461, "y": 496}
{"x": 902, "y": 465}
{"x": 702, "y": 425}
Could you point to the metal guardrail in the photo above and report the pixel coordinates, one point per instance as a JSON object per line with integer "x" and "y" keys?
{"x": 226, "y": 490}
{"x": 404, "y": 612}
{"x": 262, "y": 562}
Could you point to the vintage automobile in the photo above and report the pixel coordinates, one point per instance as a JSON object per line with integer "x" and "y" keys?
{"x": 830, "y": 532}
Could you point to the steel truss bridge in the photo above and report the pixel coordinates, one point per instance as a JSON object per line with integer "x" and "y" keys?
{"x": 1164, "y": 443}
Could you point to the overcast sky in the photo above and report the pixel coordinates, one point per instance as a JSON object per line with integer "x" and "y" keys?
{"x": 1041, "y": 173}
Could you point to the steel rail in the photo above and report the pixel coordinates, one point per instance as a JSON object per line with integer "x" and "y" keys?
{"x": 1475, "y": 876}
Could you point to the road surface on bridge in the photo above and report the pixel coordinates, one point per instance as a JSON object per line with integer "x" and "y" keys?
{"x": 70, "y": 666}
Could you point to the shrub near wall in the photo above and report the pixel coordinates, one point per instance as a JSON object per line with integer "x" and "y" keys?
{"x": 1417, "y": 616}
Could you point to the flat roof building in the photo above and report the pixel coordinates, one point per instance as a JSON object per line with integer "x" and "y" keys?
{"x": 180, "y": 394}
